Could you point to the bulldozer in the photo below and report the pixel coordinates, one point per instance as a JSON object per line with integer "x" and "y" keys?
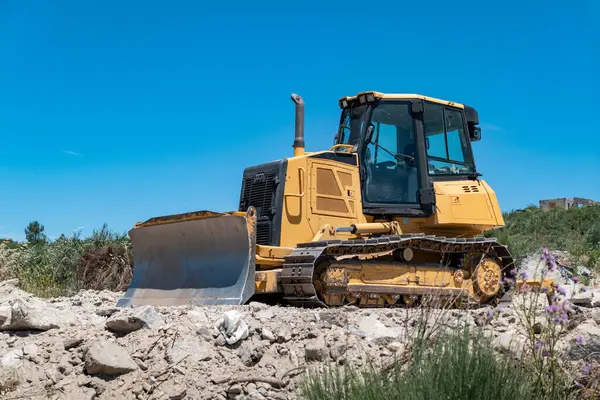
{"x": 392, "y": 212}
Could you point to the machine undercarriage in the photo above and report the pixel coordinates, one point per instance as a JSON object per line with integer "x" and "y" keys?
{"x": 396, "y": 269}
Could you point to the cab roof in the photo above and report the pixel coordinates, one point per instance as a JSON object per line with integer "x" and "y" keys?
{"x": 400, "y": 96}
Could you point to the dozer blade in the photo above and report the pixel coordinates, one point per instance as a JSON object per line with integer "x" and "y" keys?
{"x": 194, "y": 258}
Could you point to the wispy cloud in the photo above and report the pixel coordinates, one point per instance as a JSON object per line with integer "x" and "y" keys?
{"x": 72, "y": 153}
{"x": 486, "y": 126}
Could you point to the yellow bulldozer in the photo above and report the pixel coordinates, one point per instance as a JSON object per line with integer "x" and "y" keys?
{"x": 392, "y": 212}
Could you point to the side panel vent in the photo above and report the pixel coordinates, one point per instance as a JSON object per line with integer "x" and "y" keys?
{"x": 470, "y": 189}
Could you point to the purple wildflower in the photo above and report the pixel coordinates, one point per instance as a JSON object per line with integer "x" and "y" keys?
{"x": 575, "y": 279}
{"x": 548, "y": 259}
{"x": 587, "y": 368}
{"x": 539, "y": 344}
{"x": 561, "y": 319}
{"x": 552, "y": 309}
{"x": 579, "y": 340}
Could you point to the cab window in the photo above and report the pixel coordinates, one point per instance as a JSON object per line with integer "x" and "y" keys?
{"x": 445, "y": 141}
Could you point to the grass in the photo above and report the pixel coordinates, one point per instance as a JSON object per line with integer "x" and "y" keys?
{"x": 576, "y": 230}
{"x": 458, "y": 365}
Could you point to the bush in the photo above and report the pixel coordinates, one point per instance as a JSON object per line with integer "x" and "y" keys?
{"x": 576, "y": 230}
{"x": 10, "y": 259}
{"x": 69, "y": 264}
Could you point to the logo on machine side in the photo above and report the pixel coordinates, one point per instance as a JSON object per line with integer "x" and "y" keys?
{"x": 259, "y": 178}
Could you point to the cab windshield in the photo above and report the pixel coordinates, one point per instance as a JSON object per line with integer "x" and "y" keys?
{"x": 351, "y": 125}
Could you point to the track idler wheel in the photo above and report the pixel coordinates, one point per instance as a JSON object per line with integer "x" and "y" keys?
{"x": 487, "y": 278}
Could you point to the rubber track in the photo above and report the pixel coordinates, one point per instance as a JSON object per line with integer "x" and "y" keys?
{"x": 299, "y": 266}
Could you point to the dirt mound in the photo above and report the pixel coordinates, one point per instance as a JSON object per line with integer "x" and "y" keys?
{"x": 108, "y": 267}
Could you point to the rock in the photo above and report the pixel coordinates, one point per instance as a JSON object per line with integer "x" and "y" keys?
{"x": 104, "y": 357}
{"x": 174, "y": 389}
{"x": 337, "y": 350}
{"x": 235, "y": 389}
{"x": 373, "y": 329}
{"x": 206, "y": 333}
{"x": 73, "y": 343}
{"x": 30, "y": 350}
{"x": 256, "y": 306}
{"x": 267, "y": 335}
{"x": 33, "y": 314}
{"x": 256, "y": 396}
{"x": 13, "y": 358}
{"x": 143, "y": 366}
{"x": 9, "y": 380}
{"x": 315, "y": 351}
{"x": 509, "y": 341}
{"x": 107, "y": 312}
{"x": 197, "y": 316}
{"x": 251, "y": 353}
{"x": 251, "y": 387}
{"x": 277, "y": 396}
{"x": 191, "y": 347}
{"x": 129, "y": 320}
{"x": 284, "y": 335}
{"x": 5, "y": 313}
{"x": 218, "y": 379}
{"x": 584, "y": 342}
{"x": 264, "y": 314}
{"x": 589, "y": 298}
{"x": 334, "y": 317}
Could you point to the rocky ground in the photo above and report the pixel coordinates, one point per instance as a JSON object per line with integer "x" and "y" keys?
{"x": 83, "y": 347}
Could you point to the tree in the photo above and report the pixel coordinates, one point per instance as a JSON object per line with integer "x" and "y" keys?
{"x": 34, "y": 233}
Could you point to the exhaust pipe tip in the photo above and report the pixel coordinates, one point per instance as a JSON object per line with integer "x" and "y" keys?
{"x": 299, "y": 129}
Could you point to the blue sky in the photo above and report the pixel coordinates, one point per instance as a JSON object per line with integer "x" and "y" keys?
{"x": 120, "y": 111}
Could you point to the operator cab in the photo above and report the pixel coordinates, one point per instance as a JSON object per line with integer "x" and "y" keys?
{"x": 404, "y": 143}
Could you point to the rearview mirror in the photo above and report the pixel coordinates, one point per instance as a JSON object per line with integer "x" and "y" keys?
{"x": 476, "y": 134}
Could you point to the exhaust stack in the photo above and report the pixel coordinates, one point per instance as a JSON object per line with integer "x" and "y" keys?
{"x": 299, "y": 139}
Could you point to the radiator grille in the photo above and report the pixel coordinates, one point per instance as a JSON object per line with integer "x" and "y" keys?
{"x": 258, "y": 193}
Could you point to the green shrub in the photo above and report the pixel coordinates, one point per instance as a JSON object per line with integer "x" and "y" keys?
{"x": 576, "y": 230}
